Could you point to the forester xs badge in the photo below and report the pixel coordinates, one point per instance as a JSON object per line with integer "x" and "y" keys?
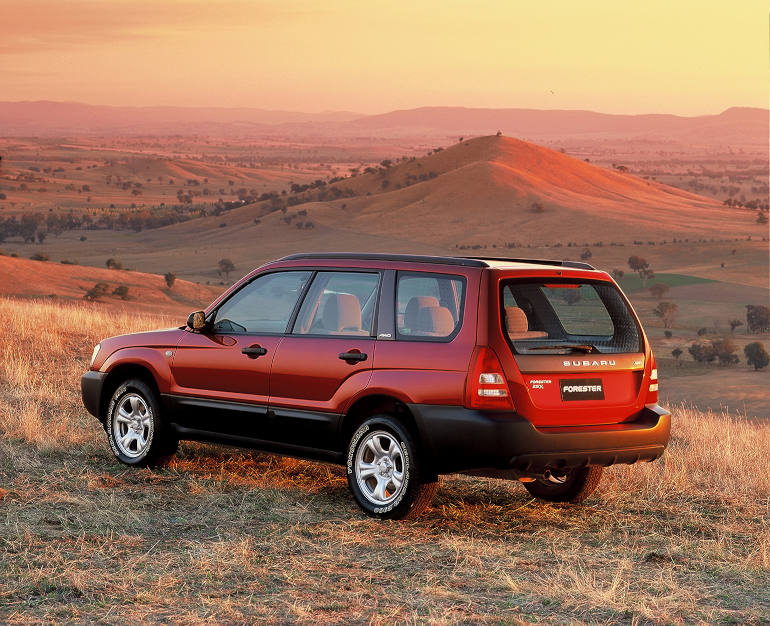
{"x": 539, "y": 383}
{"x": 588, "y": 363}
{"x": 581, "y": 389}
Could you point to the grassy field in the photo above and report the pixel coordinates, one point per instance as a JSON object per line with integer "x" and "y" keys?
{"x": 228, "y": 535}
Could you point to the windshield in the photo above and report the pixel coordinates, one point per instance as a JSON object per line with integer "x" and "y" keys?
{"x": 567, "y": 317}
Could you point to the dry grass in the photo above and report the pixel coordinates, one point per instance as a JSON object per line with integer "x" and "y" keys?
{"x": 227, "y": 535}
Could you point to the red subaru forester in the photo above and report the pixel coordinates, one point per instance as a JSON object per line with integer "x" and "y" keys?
{"x": 401, "y": 368}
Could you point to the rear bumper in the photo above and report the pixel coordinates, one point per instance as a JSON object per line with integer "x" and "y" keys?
{"x": 458, "y": 439}
{"x": 91, "y": 384}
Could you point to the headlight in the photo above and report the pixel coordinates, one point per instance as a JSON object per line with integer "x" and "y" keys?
{"x": 94, "y": 354}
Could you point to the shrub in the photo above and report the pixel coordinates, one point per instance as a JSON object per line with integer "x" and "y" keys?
{"x": 113, "y": 264}
{"x": 756, "y": 355}
{"x": 121, "y": 292}
{"x": 170, "y": 278}
{"x": 725, "y": 350}
{"x": 702, "y": 351}
{"x": 96, "y": 292}
{"x": 658, "y": 290}
{"x": 39, "y": 257}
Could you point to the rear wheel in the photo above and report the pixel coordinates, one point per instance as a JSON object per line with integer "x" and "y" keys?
{"x": 136, "y": 433}
{"x": 568, "y": 486}
{"x": 384, "y": 471}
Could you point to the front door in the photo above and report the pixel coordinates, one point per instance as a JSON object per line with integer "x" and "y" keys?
{"x": 326, "y": 358}
{"x": 222, "y": 375}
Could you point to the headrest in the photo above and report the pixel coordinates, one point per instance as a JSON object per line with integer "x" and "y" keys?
{"x": 516, "y": 320}
{"x": 413, "y": 307}
{"x": 435, "y": 321}
{"x": 342, "y": 311}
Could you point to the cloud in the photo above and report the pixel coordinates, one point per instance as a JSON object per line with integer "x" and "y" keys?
{"x": 32, "y": 26}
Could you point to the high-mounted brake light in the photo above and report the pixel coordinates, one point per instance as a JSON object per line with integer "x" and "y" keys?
{"x": 487, "y": 387}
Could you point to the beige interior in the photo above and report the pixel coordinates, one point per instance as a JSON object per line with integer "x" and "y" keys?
{"x": 342, "y": 314}
{"x": 518, "y": 326}
{"x": 434, "y": 321}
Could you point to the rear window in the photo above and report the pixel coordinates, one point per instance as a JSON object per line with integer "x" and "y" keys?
{"x": 558, "y": 317}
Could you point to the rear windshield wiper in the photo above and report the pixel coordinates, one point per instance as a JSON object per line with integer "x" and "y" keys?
{"x": 576, "y": 348}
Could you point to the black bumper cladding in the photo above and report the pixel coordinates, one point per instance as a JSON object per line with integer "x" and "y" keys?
{"x": 457, "y": 439}
{"x": 91, "y": 385}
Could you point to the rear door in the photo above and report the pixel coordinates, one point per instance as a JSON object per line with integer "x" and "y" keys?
{"x": 327, "y": 355}
{"x": 578, "y": 347}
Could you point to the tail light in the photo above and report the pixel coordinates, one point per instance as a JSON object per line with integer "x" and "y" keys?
{"x": 652, "y": 391}
{"x": 487, "y": 387}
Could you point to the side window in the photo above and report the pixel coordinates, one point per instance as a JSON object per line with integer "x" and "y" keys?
{"x": 428, "y": 305}
{"x": 263, "y": 306}
{"x": 339, "y": 303}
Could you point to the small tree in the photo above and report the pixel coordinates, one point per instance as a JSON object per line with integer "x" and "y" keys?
{"x": 702, "y": 351}
{"x": 586, "y": 254}
{"x": 757, "y": 318}
{"x": 676, "y": 353}
{"x": 114, "y": 264}
{"x": 761, "y": 217}
{"x": 756, "y": 355}
{"x": 642, "y": 267}
{"x": 667, "y": 312}
{"x": 225, "y": 267}
{"x": 725, "y": 350}
{"x": 170, "y": 279}
{"x": 658, "y": 290}
{"x": 734, "y": 324}
{"x": 618, "y": 274}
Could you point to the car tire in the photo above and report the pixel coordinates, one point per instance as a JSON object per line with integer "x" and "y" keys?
{"x": 136, "y": 432}
{"x": 574, "y": 486}
{"x": 384, "y": 470}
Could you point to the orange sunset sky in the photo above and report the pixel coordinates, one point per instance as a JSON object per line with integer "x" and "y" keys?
{"x": 681, "y": 56}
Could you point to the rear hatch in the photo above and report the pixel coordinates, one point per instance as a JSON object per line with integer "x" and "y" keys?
{"x": 578, "y": 351}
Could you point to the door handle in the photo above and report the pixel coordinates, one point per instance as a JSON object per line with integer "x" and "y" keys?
{"x": 353, "y": 356}
{"x": 254, "y": 352}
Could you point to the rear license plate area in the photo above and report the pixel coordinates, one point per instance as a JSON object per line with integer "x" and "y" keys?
{"x": 581, "y": 389}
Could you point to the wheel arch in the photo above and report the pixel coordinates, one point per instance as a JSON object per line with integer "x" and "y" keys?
{"x": 121, "y": 373}
{"x": 376, "y": 404}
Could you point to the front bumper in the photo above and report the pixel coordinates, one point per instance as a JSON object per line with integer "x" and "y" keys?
{"x": 91, "y": 385}
{"x": 457, "y": 439}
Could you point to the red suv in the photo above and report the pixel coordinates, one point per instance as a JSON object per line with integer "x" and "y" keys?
{"x": 400, "y": 368}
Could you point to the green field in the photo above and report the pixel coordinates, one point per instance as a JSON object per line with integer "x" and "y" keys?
{"x": 631, "y": 282}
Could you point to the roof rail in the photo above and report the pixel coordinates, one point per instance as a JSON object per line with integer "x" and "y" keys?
{"x": 577, "y": 264}
{"x": 376, "y": 256}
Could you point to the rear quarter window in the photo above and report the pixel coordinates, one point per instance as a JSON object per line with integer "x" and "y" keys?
{"x": 429, "y": 306}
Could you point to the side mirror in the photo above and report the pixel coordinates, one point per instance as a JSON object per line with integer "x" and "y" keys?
{"x": 197, "y": 320}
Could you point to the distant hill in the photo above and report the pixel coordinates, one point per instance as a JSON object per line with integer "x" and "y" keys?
{"x": 738, "y": 126}
{"x": 46, "y": 118}
{"x": 484, "y": 190}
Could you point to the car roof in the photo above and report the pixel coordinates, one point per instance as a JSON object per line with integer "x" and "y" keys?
{"x": 489, "y": 262}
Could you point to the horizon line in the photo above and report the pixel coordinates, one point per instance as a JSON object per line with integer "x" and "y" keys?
{"x": 351, "y": 112}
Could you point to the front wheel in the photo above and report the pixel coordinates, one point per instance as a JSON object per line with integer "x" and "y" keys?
{"x": 135, "y": 431}
{"x": 568, "y": 486}
{"x": 384, "y": 472}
